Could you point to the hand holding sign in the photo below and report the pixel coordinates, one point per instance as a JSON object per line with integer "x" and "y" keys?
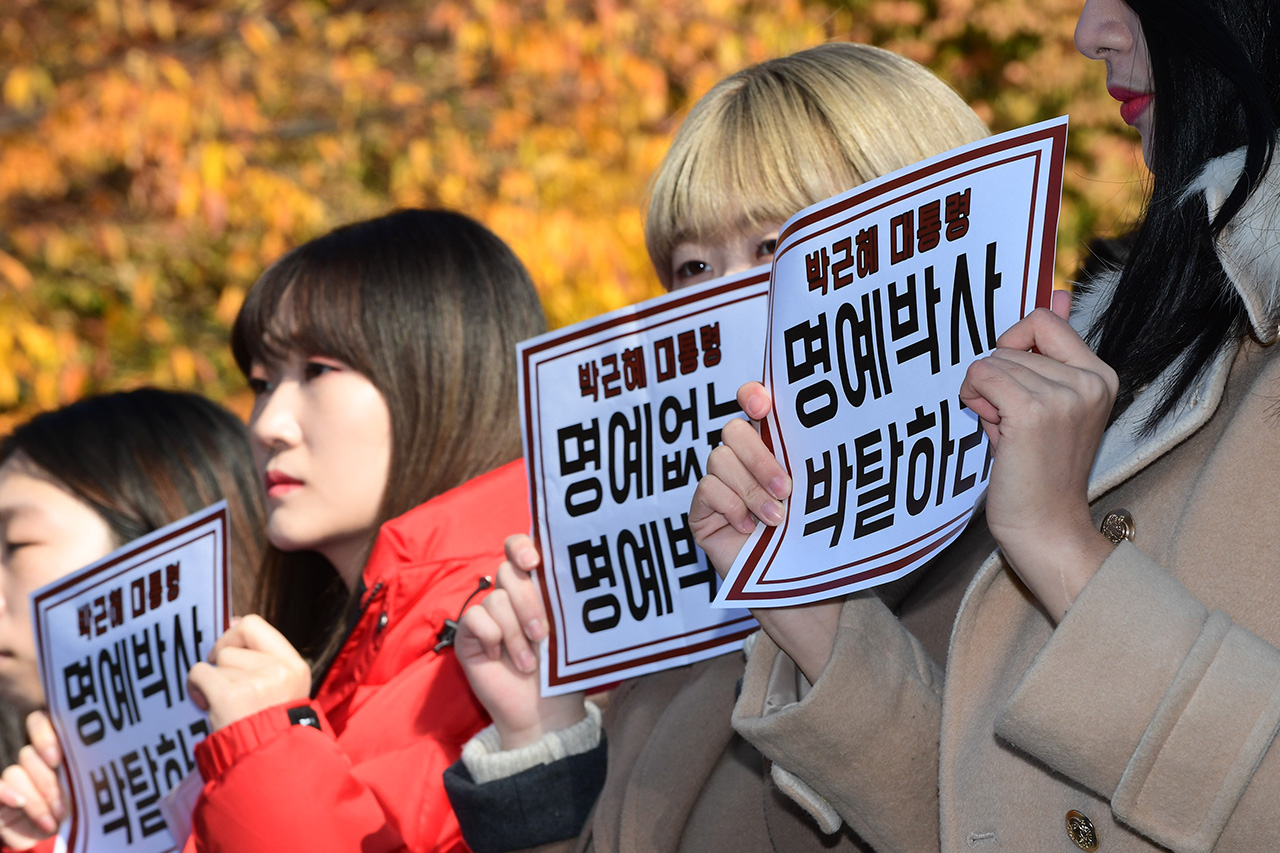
{"x": 1043, "y": 398}
{"x": 745, "y": 482}
{"x": 31, "y": 798}
{"x": 251, "y": 668}
{"x": 495, "y": 645}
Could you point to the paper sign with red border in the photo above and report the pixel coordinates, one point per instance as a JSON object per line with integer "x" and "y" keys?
{"x": 116, "y": 640}
{"x": 619, "y": 416}
{"x": 881, "y": 298}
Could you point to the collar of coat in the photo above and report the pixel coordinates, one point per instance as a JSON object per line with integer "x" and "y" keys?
{"x": 1249, "y": 250}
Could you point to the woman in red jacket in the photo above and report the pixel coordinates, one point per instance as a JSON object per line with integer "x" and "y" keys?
{"x": 382, "y": 360}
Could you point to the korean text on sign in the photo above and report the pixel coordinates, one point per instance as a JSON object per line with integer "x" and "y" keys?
{"x": 880, "y": 300}
{"x": 620, "y": 415}
{"x": 116, "y": 641}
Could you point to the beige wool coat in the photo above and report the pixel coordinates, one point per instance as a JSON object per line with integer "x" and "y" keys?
{"x": 680, "y": 778}
{"x": 1149, "y": 711}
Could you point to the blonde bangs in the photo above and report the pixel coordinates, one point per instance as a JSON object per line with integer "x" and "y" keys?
{"x": 787, "y": 133}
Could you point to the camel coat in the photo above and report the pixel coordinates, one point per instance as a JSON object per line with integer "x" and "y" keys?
{"x": 1149, "y": 711}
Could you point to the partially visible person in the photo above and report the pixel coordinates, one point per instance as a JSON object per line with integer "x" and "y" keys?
{"x": 759, "y": 147}
{"x": 75, "y": 484}
{"x": 1108, "y": 677}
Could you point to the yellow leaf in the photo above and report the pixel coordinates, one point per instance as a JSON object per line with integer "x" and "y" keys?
{"x": 183, "y": 364}
{"x": 14, "y": 270}
{"x": 260, "y": 36}
{"x": 37, "y": 342}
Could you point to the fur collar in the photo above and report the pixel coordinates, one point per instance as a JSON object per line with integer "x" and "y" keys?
{"x": 1249, "y": 250}
{"x": 1249, "y": 247}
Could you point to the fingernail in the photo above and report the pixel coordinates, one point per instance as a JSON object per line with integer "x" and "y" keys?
{"x": 55, "y": 806}
{"x": 526, "y": 663}
{"x": 748, "y": 525}
{"x": 50, "y": 756}
{"x": 528, "y": 559}
{"x": 779, "y": 487}
{"x": 47, "y": 823}
{"x": 771, "y": 512}
{"x": 534, "y": 629}
{"x": 16, "y": 800}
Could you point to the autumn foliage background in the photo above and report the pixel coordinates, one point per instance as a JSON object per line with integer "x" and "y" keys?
{"x": 155, "y": 155}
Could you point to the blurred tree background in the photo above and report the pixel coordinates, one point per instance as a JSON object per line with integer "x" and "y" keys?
{"x": 155, "y": 155}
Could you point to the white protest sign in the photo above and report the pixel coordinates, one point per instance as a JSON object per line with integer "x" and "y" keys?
{"x": 619, "y": 415}
{"x": 116, "y": 640}
{"x": 881, "y": 298}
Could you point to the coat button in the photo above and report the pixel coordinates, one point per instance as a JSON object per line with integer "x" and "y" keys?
{"x": 382, "y": 621}
{"x": 1081, "y": 831}
{"x": 1118, "y": 526}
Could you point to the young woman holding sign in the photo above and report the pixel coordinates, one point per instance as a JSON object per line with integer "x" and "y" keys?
{"x": 383, "y": 360}
{"x": 1115, "y": 689}
{"x": 676, "y": 776}
{"x": 75, "y": 484}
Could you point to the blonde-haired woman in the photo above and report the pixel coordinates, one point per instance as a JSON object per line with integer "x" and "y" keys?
{"x": 757, "y": 148}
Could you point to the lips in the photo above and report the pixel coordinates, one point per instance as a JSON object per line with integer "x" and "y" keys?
{"x": 1132, "y": 104}
{"x": 279, "y": 484}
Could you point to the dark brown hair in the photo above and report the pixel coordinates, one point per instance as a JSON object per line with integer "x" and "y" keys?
{"x": 428, "y": 305}
{"x": 146, "y": 458}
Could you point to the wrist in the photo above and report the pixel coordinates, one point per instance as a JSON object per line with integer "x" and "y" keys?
{"x": 554, "y": 714}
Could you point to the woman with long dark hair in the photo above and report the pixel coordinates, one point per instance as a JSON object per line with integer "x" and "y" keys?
{"x": 75, "y": 484}
{"x": 1109, "y": 677}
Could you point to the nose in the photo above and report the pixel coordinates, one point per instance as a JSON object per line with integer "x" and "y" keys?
{"x": 1103, "y": 29}
{"x": 273, "y": 424}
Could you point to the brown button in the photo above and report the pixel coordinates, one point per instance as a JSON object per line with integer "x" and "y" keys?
{"x": 1081, "y": 830}
{"x": 1118, "y": 526}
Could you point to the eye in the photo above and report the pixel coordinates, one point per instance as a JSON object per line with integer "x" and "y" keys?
{"x": 766, "y": 248}
{"x": 259, "y": 386}
{"x": 316, "y": 368}
{"x": 690, "y": 269}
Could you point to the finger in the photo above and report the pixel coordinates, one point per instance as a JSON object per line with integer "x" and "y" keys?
{"x": 234, "y": 659}
{"x": 514, "y": 642}
{"x": 526, "y": 600}
{"x": 478, "y": 627}
{"x": 766, "y": 471}
{"x": 755, "y": 401}
{"x": 521, "y": 553}
{"x": 42, "y": 736}
{"x": 1048, "y": 333}
{"x": 202, "y": 680}
{"x": 713, "y": 497}
{"x": 44, "y": 779}
{"x": 1060, "y": 303}
{"x": 259, "y": 635}
{"x": 34, "y": 808}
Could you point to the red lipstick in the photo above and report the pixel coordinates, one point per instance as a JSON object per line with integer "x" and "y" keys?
{"x": 1132, "y": 104}
{"x": 279, "y": 484}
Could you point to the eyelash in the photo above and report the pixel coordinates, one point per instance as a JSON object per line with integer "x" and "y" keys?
{"x": 316, "y": 369}
{"x": 687, "y": 270}
{"x": 767, "y": 247}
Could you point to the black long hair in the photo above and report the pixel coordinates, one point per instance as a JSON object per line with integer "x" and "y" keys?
{"x": 143, "y": 459}
{"x": 1215, "y": 71}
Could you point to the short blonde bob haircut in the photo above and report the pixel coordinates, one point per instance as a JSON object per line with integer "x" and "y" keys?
{"x": 787, "y": 133}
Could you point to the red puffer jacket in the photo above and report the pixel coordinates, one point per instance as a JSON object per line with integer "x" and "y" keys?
{"x": 393, "y": 714}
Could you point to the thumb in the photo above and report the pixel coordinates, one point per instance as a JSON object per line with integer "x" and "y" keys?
{"x": 1060, "y": 303}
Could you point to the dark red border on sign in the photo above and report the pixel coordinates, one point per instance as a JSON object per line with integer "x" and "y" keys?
{"x": 1056, "y": 134}
{"x": 99, "y": 572}
{"x": 537, "y": 477}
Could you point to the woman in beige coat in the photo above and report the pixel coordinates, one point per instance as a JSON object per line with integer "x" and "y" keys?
{"x": 1068, "y": 692}
{"x": 761, "y": 145}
